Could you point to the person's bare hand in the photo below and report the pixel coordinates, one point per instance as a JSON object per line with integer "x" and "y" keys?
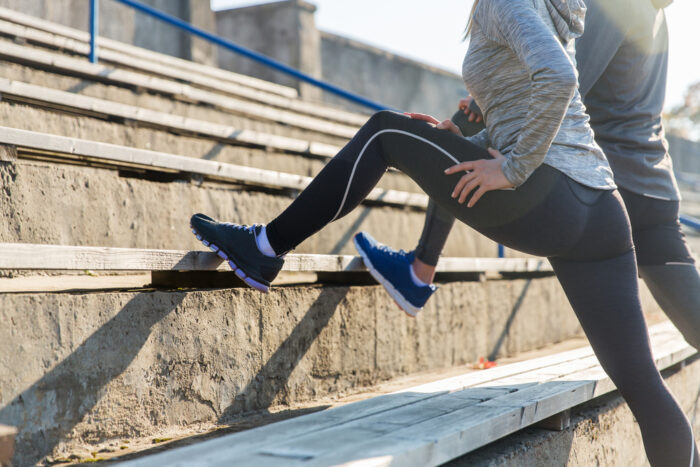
{"x": 482, "y": 175}
{"x": 440, "y": 125}
{"x": 464, "y": 105}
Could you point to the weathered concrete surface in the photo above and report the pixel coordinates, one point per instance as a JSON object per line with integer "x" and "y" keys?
{"x": 388, "y": 78}
{"x": 285, "y": 31}
{"x": 92, "y": 367}
{"x": 88, "y": 368}
{"x": 46, "y": 121}
{"x": 603, "y": 433}
{"x": 126, "y": 25}
{"x": 61, "y": 204}
{"x": 156, "y": 102}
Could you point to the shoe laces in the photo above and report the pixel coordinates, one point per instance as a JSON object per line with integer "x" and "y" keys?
{"x": 392, "y": 253}
{"x": 242, "y": 227}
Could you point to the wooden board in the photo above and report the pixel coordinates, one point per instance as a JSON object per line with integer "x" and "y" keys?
{"x": 153, "y": 63}
{"x": 122, "y": 156}
{"x": 58, "y": 257}
{"x": 415, "y": 427}
{"x": 98, "y": 72}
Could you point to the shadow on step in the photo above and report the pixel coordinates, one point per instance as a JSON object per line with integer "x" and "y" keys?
{"x": 69, "y": 392}
{"x": 270, "y": 382}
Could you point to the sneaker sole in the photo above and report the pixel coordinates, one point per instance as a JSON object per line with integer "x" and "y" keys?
{"x": 240, "y": 273}
{"x": 405, "y": 306}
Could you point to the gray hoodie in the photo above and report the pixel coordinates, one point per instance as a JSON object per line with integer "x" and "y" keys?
{"x": 520, "y": 70}
{"x": 623, "y": 61}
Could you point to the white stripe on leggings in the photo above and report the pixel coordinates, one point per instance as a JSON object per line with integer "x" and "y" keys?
{"x": 692, "y": 447}
{"x": 354, "y": 167}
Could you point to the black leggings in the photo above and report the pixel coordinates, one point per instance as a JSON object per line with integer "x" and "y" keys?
{"x": 585, "y": 234}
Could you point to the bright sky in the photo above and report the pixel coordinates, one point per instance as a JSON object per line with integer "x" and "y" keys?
{"x": 431, "y": 31}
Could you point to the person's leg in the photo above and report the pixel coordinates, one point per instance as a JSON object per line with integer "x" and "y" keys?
{"x": 665, "y": 261}
{"x": 604, "y": 294}
{"x": 423, "y": 153}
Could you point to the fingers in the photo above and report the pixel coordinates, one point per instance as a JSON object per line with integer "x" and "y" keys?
{"x": 465, "y": 102}
{"x": 477, "y": 196}
{"x": 462, "y": 183}
{"x": 449, "y": 126}
{"x": 423, "y": 117}
{"x": 468, "y": 188}
{"x": 464, "y": 166}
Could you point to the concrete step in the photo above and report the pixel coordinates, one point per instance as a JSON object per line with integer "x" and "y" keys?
{"x": 56, "y": 71}
{"x": 17, "y": 91}
{"x": 430, "y": 424}
{"x": 33, "y": 117}
{"x": 114, "y": 53}
{"x": 83, "y": 368}
{"x": 120, "y": 205}
{"x": 83, "y": 37}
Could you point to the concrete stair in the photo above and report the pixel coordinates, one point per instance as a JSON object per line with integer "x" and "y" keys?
{"x": 120, "y": 332}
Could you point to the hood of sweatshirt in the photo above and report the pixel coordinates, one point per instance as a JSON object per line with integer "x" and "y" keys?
{"x": 567, "y": 16}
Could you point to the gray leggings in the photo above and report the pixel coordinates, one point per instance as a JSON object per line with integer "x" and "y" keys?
{"x": 549, "y": 215}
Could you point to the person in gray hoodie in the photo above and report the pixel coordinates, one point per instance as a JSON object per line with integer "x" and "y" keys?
{"x": 622, "y": 58}
{"x": 543, "y": 187}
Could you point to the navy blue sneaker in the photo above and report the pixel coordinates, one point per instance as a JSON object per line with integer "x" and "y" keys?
{"x": 236, "y": 244}
{"x": 391, "y": 269}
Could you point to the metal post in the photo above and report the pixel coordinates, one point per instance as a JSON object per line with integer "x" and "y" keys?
{"x": 94, "y": 29}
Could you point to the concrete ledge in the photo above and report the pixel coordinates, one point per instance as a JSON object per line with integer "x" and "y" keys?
{"x": 49, "y": 203}
{"x": 110, "y": 44}
{"x": 84, "y": 368}
{"x": 214, "y": 79}
{"x": 42, "y": 59}
{"x": 85, "y": 105}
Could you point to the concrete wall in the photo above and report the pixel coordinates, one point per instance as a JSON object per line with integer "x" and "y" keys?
{"x": 286, "y": 31}
{"x": 387, "y": 78}
{"x": 81, "y": 369}
{"x": 124, "y": 24}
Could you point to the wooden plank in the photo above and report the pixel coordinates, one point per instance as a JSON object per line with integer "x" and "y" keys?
{"x": 28, "y": 256}
{"x": 151, "y": 63}
{"x": 16, "y": 90}
{"x": 7, "y": 444}
{"x": 395, "y": 436}
{"x": 64, "y": 283}
{"x": 119, "y": 155}
{"x": 100, "y": 72}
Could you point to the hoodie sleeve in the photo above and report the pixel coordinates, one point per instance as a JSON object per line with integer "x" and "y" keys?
{"x": 516, "y": 25}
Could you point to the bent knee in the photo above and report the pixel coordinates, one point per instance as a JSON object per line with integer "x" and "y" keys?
{"x": 385, "y": 119}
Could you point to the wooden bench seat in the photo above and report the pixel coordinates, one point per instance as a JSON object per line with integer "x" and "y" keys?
{"x": 428, "y": 424}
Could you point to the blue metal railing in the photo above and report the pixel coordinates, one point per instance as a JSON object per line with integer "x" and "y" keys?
{"x": 94, "y": 29}
{"x": 267, "y": 61}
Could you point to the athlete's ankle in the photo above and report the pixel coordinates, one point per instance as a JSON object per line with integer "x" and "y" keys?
{"x": 263, "y": 243}
{"x": 423, "y": 272}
